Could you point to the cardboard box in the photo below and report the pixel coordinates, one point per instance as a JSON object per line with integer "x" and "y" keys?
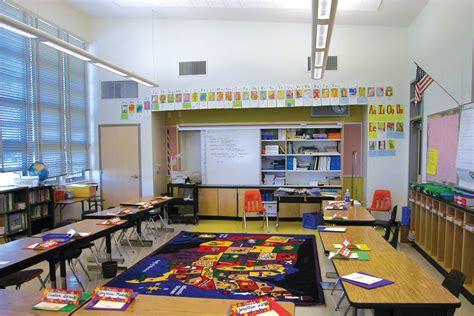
{"x": 82, "y": 190}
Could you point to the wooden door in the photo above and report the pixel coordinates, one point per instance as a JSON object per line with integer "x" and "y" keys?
{"x": 119, "y": 163}
{"x": 227, "y": 199}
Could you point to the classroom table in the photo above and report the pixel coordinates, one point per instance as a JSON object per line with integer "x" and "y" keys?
{"x": 298, "y": 198}
{"x": 356, "y": 216}
{"x": 175, "y": 306}
{"x": 85, "y": 226}
{"x": 19, "y": 258}
{"x": 163, "y": 203}
{"x": 135, "y": 216}
{"x": 63, "y": 203}
{"x": 20, "y": 302}
{"x": 413, "y": 289}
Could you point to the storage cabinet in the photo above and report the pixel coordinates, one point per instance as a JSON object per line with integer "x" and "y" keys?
{"x": 444, "y": 233}
{"x": 208, "y": 203}
{"x": 227, "y": 202}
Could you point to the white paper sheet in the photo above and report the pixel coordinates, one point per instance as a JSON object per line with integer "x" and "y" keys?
{"x": 362, "y": 278}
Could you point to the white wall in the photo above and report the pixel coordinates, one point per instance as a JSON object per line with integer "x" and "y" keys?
{"x": 61, "y": 14}
{"x": 241, "y": 53}
{"x": 441, "y": 41}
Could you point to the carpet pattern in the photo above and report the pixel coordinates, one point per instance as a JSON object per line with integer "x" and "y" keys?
{"x": 230, "y": 266}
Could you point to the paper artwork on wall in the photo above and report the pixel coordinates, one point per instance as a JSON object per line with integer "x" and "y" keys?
{"x": 386, "y": 124}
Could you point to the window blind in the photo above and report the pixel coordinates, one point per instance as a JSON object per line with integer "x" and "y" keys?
{"x": 43, "y": 101}
{"x": 13, "y": 95}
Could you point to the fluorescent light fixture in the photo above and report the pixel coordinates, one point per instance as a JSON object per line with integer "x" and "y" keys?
{"x": 110, "y": 69}
{"x": 321, "y": 35}
{"x": 317, "y": 73}
{"x": 65, "y": 50}
{"x": 324, "y": 9}
{"x": 140, "y": 81}
{"x": 15, "y": 30}
{"x": 318, "y": 59}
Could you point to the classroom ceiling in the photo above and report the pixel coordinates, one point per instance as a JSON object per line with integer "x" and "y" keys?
{"x": 355, "y": 12}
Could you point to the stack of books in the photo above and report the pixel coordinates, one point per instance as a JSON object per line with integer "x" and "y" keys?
{"x": 272, "y": 149}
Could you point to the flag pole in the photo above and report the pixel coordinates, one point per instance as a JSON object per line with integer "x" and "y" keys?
{"x": 459, "y": 104}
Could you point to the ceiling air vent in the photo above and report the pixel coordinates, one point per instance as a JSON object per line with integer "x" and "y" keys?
{"x": 330, "y": 65}
{"x": 124, "y": 89}
{"x": 193, "y": 68}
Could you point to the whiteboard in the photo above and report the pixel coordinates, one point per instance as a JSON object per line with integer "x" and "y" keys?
{"x": 465, "y": 155}
{"x": 230, "y": 156}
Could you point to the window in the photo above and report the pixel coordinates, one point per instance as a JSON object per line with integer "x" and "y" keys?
{"x": 43, "y": 101}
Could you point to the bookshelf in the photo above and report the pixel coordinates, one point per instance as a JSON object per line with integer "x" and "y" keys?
{"x": 26, "y": 211}
{"x": 444, "y": 234}
{"x": 302, "y": 156}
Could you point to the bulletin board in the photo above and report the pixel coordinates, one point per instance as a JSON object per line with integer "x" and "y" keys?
{"x": 443, "y": 135}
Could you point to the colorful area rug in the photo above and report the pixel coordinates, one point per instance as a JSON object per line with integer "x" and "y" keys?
{"x": 230, "y": 266}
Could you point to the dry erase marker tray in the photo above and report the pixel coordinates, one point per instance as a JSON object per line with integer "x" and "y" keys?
{"x": 58, "y": 237}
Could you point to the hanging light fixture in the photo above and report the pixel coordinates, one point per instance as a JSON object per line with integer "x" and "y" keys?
{"x": 324, "y": 13}
{"x": 28, "y": 31}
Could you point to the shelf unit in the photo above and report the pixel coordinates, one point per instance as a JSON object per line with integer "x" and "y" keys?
{"x": 445, "y": 235}
{"x": 304, "y": 146}
{"x": 31, "y": 218}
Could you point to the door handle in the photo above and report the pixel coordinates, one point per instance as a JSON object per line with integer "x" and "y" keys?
{"x": 134, "y": 177}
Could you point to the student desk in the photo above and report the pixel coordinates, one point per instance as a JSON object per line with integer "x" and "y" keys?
{"x": 63, "y": 203}
{"x": 413, "y": 289}
{"x": 176, "y": 306}
{"x": 85, "y": 226}
{"x": 20, "y": 258}
{"x": 21, "y": 302}
{"x": 135, "y": 217}
{"x": 357, "y": 216}
{"x": 163, "y": 203}
{"x": 298, "y": 198}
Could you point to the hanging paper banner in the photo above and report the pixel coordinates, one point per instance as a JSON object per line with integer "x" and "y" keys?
{"x": 155, "y": 105}
{"x": 254, "y": 97}
{"x": 228, "y": 98}
{"x": 362, "y": 98}
{"x": 139, "y": 106}
{"x": 246, "y": 97}
{"x": 237, "y": 102}
{"x": 281, "y": 96}
{"x": 211, "y": 99}
{"x": 263, "y": 103}
{"x": 325, "y": 95}
{"x": 195, "y": 99}
{"x": 272, "y": 101}
{"x": 316, "y": 96}
{"x": 146, "y": 104}
{"x": 186, "y": 100}
{"x": 178, "y": 100}
{"x": 307, "y": 95}
{"x": 124, "y": 112}
{"x": 220, "y": 98}
{"x": 299, "y": 95}
{"x": 289, "y": 97}
{"x": 203, "y": 99}
{"x": 352, "y": 97}
{"x": 343, "y": 96}
{"x": 334, "y": 95}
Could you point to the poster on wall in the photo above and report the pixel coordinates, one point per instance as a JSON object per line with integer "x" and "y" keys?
{"x": 386, "y": 124}
{"x": 220, "y": 103}
{"x": 203, "y": 99}
{"x": 307, "y": 95}
{"x": 281, "y": 97}
{"x": 298, "y": 93}
{"x": 254, "y": 97}
{"x": 155, "y": 105}
{"x": 228, "y": 97}
{"x": 289, "y": 96}
{"x": 195, "y": 99}
{"x": 316, "y": 96}
{"x": 124, "y": 111}
{"x": 211, "y": 98}
{"x": 237, "y": 101}
{"x": 246, "y": 97}
{"x": 178, "y": 100}
{"x": 186, "y": 99}
{"x": 272, "y": 97}
{"x": 262, "y": 96}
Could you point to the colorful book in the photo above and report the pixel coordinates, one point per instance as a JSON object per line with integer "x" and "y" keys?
{"x": 326, "y": 229}
{"x": 44, "y": 245}
{"x": 366, "y": 280}
{"x": 113, "y": 221}
{"x": 259, "y": 306}
{"x": 351, "y": 255}
{"x": 60, "y": 300}
{"x": 111, "y": 298}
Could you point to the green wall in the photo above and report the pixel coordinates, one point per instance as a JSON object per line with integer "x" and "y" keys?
{"x": 300, "y": 114}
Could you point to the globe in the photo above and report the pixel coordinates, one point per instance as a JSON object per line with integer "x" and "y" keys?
{"x": 40, "y": 170}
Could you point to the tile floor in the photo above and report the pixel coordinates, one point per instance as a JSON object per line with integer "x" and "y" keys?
{"x": 253, "y": 227}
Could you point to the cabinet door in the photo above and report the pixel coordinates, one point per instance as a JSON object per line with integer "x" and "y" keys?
{"x": 309, "y": 208}
{"x": 208, "y": 202}
{"x": 227, "y": 201}
{"x": 288, "y": 210}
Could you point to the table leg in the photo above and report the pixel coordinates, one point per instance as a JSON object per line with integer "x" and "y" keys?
{"x": 82, "y": 205}
{"x": 52, "y": 274}
{"x": 108, "y": 247}
{"x": 277, "y": 225}
{"x": 62, "y": 271}
{"x": 164, "y": 227}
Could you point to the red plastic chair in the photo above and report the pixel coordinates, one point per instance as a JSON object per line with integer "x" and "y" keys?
{"x": 253, "y": 204}
{"x": 382, "y": 201}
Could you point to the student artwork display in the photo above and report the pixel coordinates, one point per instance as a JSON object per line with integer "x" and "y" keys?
{"x": 386, "y": 124}
{"x": 242, "y": 97}
{"x": 135, "y": 109}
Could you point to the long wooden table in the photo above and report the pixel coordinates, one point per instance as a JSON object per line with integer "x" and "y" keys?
{"x": 356, "y": 216}
{"x": 19, "y": 258}
{"x": 63, "y": 203}
{"x": 163, "y": 203}
{"x": 15, "y": 303}
{"x": 176, "y": 306}
{"x": 85, "y": 226}
{"x": 413, "y": 289}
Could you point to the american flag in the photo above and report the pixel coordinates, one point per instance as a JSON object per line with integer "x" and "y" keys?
{"x": 423, "y": 81}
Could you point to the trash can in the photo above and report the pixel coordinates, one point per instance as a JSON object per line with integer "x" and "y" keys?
{"x": 312, "y": 220}
{"x": 405, "y": 229}
{"x": 109, "y": 269}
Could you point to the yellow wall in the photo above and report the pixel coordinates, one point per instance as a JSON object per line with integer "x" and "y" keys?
{"x": 302, "y": 114}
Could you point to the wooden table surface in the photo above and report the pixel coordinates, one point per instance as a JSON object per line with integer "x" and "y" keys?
{"x": 354, "y": 214}
{"x": 84, "y": 226}
{"x": 413, "y": 287}
{"x": 357, "y": 235}
{"x": 146, "y": 199}
{"x": 15, "y": 303}
{"x": 71, "y": 201}
{"x": 176, "y": 306}
{"x": 108, "y": 212}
